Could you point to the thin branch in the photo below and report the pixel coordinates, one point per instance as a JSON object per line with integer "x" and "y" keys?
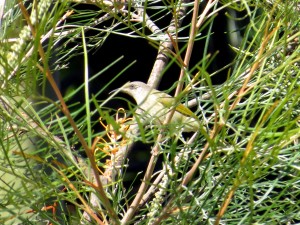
{"x": 166, "y": 46}
{"x": 193, "y": 33}
{"x": 145, "y": 183}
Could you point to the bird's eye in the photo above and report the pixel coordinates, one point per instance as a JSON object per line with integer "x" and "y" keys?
{"x": 131, "y": 86}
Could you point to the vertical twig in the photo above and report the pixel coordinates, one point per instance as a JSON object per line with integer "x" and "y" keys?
{"x": 159, "y": 65}
{"x": 67, "y": 113}
{"x": 162, "y": 58}
{"x": 2, "y": 6}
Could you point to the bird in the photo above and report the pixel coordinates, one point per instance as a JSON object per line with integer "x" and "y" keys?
{"x": 155, "y": 104}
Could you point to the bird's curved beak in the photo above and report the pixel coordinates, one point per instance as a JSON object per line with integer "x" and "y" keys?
{"x": 116, "y": 91}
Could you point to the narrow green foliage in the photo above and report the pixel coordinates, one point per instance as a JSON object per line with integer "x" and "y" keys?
{"x": 242, "y": 167}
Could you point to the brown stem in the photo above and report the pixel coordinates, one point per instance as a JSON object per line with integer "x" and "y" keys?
{"x": 66, "y": 112}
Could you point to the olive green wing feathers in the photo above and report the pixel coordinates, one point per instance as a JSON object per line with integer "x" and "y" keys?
{"x": 168, "y": 101}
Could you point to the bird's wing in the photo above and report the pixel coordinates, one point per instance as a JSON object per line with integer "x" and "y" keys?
{"x": 168, "y": 101}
